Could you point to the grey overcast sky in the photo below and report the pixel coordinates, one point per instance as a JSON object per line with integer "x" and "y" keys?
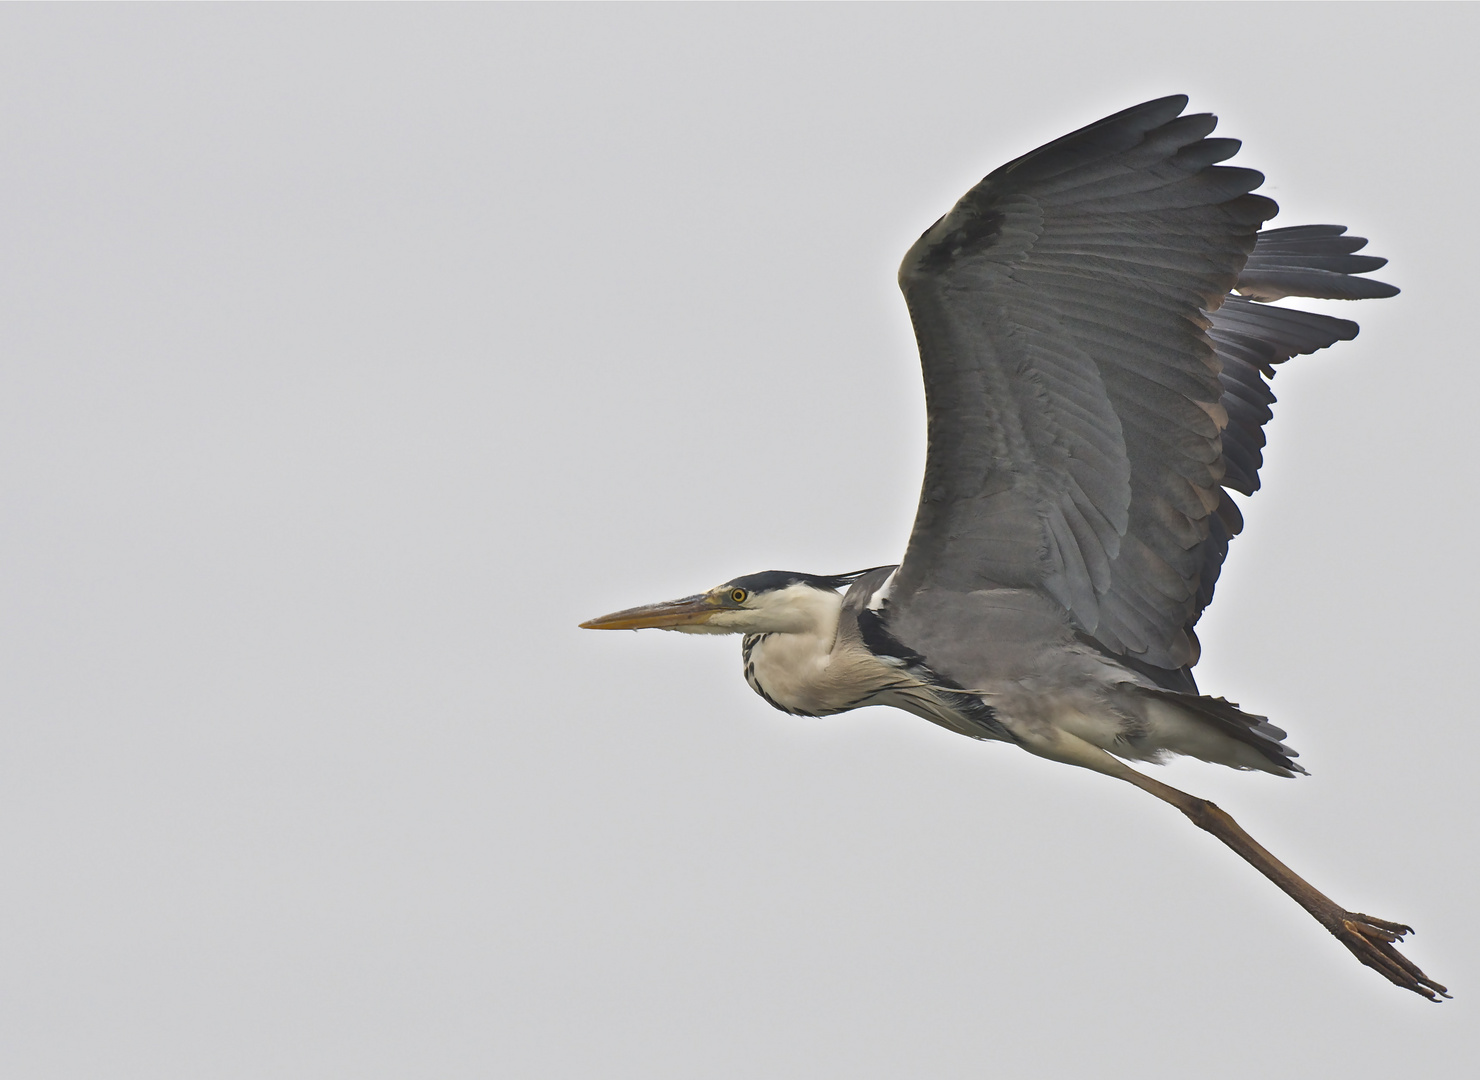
{"x": 352, "y": 355}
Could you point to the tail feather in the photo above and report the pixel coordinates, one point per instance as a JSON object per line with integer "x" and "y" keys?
{"x": 1248, "y": 728}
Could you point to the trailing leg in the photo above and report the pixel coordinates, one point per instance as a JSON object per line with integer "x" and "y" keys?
{"x": 1370, "y": 940}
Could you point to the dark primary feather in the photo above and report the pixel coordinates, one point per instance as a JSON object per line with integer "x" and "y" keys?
{"x": 1250, "y": 339}
{"x": 1314, "y": 261}
{"x": 1092, "y": 386}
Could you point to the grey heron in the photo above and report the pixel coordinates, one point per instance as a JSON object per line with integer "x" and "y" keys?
{"x": 1097, "y": 336}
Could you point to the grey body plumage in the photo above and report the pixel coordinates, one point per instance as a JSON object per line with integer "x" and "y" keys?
{"x": 1097, "y": 343}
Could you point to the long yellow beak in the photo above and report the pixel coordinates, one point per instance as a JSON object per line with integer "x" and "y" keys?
{"x": 690, "y": 611}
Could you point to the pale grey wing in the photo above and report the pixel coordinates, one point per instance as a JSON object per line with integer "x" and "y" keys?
{"x": 1072, "y": 389}
{"x": 1250, "y": 338}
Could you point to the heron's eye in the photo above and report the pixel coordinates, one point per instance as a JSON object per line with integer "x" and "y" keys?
{"x": 738, "y": 595}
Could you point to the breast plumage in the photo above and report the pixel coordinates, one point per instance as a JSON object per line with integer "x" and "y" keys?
{"x": 794, "y": 673}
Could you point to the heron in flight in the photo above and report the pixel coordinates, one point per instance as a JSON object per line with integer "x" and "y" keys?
{"x": 1097, "y": 338}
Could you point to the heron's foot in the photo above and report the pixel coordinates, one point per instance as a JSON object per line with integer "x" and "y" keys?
{"x": 1371, "y": 941}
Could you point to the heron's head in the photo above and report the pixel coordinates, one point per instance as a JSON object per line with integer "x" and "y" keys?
{"x": 772, "y": 602}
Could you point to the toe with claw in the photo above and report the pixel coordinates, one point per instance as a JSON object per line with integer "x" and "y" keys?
{"x": 1371, "y": 941}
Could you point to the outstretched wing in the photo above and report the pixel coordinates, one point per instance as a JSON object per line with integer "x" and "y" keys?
{"x": 1078, "y": 389}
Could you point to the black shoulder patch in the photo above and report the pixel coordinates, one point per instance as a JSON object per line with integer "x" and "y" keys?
{"x": 880, "y": 642}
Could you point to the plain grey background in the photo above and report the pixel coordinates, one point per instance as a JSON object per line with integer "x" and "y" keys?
{"x": 353, "y": 355}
